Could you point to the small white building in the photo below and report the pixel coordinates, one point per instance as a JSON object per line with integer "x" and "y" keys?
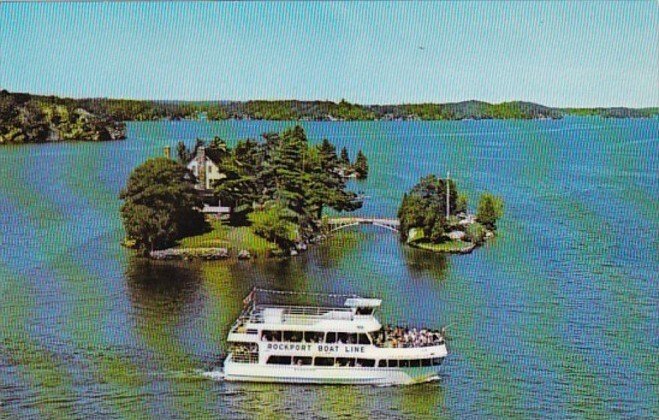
{"x": 205, "y": 170}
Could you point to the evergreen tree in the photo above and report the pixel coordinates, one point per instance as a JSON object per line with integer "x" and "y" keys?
{"x": 183, "y": 154}
{"x": 361, "y": 166}
{"x": 345, "y": 157}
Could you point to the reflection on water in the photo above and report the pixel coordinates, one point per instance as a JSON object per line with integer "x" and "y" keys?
{"x": 158, "y": 289}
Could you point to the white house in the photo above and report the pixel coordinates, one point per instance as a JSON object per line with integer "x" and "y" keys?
{"x": 205, "y": 170}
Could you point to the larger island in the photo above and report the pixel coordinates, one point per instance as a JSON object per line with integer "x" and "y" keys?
{"x": 27, "y": 118}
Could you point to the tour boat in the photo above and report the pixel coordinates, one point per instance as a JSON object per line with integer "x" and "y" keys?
{"x": 328, "y": 345}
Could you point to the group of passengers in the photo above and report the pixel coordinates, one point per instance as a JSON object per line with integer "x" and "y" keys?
{"x": 399, "y": 337}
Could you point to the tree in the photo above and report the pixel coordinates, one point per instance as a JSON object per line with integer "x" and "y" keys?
{"x": 183, "y": 154}
{"x": 361, "y": 166}
{"x": 424, "y": 207}
{"x": 461, "y": 204}
{"x": 160, "y": 205}
{"x": 345, "y": 157}
{"x": 275, "y": 224}
{"x": 490, "y": 209}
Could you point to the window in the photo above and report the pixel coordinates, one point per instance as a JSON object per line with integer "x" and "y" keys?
{"x": 366, "y": 362}
{"x": 293, "y": 336}
{"x": 426, "y": 362}
{"x": 271, "y": 336}
{"x": 364, "y": 311}
{"x": 344, "y": 361}
{"x": 324, "y": 361}
{"x": 437, "y": 361}
{"x": 302, "y": 361}
{"x": 313, "y": 337}
{"x": 393, "y": 363}
{"x": 363, "y": 339}
{"x": 331, "y": 338}
{"x": 346, "y": 338}
{"x": 382, "y": 363}
{"x": 415, "y": 363}
{"x": 279, "y": 360}
{"x": 403, "y": 363}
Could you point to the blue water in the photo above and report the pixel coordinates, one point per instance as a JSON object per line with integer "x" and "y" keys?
{"x": 555, "y": 317}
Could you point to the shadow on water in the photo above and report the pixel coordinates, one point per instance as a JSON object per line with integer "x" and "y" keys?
{"x": 421, "y": 263}
{"x": 162, "y": 288}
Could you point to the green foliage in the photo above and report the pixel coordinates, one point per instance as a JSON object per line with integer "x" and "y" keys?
{"x": 461, "y": 204}
{"x": 28, "y": 119}
{"x": 424, "y": 207}
{"x": 160, "y": 205}
{"x": 275, "y": 224}
{"x": 183, "y": 154}
{"x": 475, "y": 233}
{"x": 344, "y": 159}
{"x": 134, "y": 110}
{"x": 490, "y": 209}
{"x": 361, "y": 166}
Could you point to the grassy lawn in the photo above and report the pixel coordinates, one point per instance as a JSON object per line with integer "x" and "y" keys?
{"x": 232, "y": 238}
{"x": 449, "y": 246}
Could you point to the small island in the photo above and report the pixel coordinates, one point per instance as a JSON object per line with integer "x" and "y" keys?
{"x": 434, "y": 216}
{"x": 259, "y": 198}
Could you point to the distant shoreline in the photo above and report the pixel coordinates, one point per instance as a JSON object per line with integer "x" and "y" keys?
{"x": 27, "y": 118}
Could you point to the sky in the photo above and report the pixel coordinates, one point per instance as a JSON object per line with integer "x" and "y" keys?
{"x": 554, "y": 53}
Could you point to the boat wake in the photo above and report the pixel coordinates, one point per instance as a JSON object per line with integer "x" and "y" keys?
{"x": 215, "y": 375}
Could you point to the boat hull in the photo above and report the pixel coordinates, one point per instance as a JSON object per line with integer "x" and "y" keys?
{"x": 246, "y": 372}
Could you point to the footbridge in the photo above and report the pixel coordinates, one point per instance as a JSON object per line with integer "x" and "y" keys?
{"x": 338, "y": 223}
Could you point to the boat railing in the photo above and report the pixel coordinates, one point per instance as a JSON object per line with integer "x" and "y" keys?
{"x": 302, "y": 314}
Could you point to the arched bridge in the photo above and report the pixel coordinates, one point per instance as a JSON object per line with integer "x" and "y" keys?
{"x": 337, "y": 223}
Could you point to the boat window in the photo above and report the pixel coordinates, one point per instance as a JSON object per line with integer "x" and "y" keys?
{"x": 363, "y": 339}
{"x": 403, "y": 363}
{"x": 279, "y": 360}
{"x": 271, "y": 336}
{"x": 331, "y": 338}
{"x": 393, "y": 363}
{"x": 252, "y": 331}
{"x": 293, "y": 336}
{"x": 415, "y": 363}
{"x": 382, "y": 363}
{"x": 324, "y": 361}
{"x": 437, "y": 361}
{"x": 426, "y": 362}
{"x": 347, "y": 338}
{"x": 364, "y": 311}
{"x": 344, "y": 361}
{"x": 302, "y": 361}
{"x": 313, "y": 337}
{"x": 366, "y": 362}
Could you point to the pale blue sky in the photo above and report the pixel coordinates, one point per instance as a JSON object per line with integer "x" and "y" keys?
{"x": 554, "y": 53}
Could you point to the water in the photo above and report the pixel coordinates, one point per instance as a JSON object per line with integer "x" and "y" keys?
{"x": 555, "y": 317}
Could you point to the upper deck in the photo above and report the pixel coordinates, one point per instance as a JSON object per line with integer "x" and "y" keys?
{"x": 305, "y": 318}
{"x": 355, "y": 316}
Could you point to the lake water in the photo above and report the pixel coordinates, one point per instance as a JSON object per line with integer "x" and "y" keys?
{"x": 557, "y": 316}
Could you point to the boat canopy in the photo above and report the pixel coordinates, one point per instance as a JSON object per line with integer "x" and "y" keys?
{"x": 362, "y": 303}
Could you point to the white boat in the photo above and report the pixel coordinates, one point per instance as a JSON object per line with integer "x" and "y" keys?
{"x": 328, "y": 345}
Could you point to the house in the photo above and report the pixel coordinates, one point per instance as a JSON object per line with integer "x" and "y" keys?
{"x": 205, "y": 169}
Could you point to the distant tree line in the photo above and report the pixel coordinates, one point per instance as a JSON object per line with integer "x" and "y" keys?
{"x": 284, "y": 110}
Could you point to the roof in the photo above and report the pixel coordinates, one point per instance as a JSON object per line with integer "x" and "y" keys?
{"x": 362, "y": 303}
